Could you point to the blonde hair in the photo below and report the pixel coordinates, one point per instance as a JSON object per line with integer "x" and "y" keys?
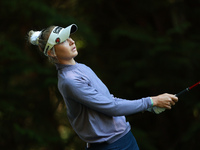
{"x": 40, "y": 38}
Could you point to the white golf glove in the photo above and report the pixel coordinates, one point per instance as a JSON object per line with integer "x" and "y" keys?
{"x": 158, "y": 110}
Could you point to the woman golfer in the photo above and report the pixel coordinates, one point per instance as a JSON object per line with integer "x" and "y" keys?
{"x": 95, "y": 115}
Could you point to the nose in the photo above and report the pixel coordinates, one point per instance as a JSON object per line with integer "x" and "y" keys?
{"x": 71, "y": 42}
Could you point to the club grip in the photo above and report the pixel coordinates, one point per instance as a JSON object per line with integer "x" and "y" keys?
{"x": 182, "y": 92}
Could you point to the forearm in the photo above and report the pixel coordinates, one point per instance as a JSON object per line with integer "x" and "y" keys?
{"x": 128, "y": 107}
{"x": 116, "y": 106}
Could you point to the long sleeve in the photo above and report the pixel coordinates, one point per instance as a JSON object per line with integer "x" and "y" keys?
{"x": 83, "y": 92}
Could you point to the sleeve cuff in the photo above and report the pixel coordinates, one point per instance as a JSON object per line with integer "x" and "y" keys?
{"x": 151, "y": 102}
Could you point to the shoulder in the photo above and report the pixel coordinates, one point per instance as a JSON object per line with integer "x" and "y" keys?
{"x": 73, "y": 79}
{"x": 74, "y": 76}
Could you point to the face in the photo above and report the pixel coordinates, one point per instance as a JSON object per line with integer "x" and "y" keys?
{"x": 66, "y": 51}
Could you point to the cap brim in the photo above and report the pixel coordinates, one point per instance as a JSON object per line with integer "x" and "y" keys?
{"x": 59, "y": 35}
{"x": 65, "y": 33}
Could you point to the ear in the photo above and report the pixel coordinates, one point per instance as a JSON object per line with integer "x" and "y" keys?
{"x": 51, "y": 53}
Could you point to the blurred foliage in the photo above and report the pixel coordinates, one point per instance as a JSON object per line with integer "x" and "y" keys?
{"x": 138, "y": 48}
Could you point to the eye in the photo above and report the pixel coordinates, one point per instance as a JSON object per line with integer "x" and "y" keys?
{"x": 68, "y": 39}
{"x": 63, "y": 42}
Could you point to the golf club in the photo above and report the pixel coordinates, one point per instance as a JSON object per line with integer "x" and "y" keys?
{"x": 158, "y": 110}
{"x": 187, "y": 89}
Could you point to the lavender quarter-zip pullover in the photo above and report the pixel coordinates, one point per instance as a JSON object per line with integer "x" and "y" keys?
{"x": 95, "y": 115}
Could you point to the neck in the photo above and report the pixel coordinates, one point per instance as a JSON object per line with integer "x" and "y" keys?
{"x": 68, "y": 62}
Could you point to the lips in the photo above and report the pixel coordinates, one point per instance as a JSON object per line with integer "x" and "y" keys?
{"x": 74, "y": 49}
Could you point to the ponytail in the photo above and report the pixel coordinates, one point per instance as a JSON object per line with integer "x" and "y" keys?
{"x": 40, "y": 38}
{"x": 34, "y": 37}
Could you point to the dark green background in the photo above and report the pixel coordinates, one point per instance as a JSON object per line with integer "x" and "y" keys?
{"x": 138, "y": 48}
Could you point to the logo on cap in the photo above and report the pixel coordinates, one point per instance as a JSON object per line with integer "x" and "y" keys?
{"x": 57, "y": 40}
{"x": 57, "y": 30}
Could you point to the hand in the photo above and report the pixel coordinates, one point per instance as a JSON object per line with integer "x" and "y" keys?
{"x": 164, "y": 100}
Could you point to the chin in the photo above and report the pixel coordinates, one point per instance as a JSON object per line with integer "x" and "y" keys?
{"x": 76, "y": 54}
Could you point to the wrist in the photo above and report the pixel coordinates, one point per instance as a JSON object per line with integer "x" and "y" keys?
{"x": 152, "y": 104}
{"x": 154, "y": 101}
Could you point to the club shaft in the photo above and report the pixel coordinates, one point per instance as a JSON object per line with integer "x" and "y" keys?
{"x": 182, "y": 92}
{"x": 194, "y": 85}
{"x": 187, "y": 89}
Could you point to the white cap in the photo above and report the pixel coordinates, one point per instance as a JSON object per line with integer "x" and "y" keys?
{"x": 59, "y": 35}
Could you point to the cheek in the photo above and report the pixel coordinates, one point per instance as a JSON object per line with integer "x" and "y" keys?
{"x": 63, "y": 54}
{"x": 60, "y": 50}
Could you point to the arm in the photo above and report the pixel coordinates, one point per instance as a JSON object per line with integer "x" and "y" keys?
{"x": 81, "y": 91}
